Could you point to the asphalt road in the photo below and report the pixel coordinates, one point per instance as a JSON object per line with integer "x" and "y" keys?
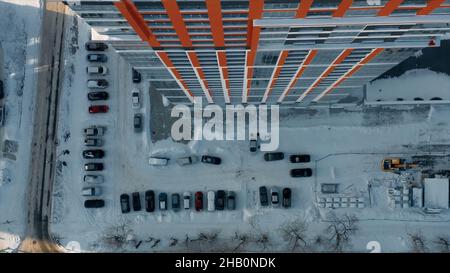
{"x": 43, "y": 148}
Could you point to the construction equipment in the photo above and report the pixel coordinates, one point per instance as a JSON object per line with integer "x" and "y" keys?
{"x": 396, "y": 165}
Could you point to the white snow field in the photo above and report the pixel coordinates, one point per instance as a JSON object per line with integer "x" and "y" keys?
{"x": 20, "y": 22}
{"x": 346, "y": 147}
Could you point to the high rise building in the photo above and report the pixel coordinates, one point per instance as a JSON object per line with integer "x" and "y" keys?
{"x": 265, "y": 51}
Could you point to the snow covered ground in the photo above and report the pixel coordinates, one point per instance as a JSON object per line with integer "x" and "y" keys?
{"x": 346, "y": 146}
{"x": 20, "y": 22}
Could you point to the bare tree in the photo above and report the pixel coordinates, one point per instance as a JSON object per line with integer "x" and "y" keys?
{"x": 340, "y": 230}
{"x": 443, "y": 242}
{"x": 116, "y": 236}
{"x": 173, "y": 241}
{"x": 263, "y": 240}
{"x": 418, "y": 242}
{"x": 295, "y": 234}
{"x": 242, "y": 239}
{"x": 203, "y": 241}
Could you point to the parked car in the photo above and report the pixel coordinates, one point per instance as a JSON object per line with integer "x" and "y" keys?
{"x": 186, "y": 200}
{"x": 93, "y": 166}
{"x": 329, "y": 188}
{"x": 2, "y": 115}
{"x": 287, "y": 197}
{"x": 95, "y": 46}
{"x": 137, "y": 122}
{"x": 101, "y": 95}
{"x": 231, "y": 200}
{"x": 274, "y": 196}
{"x": 163, "y": 201}
{"x": 2, "y": 90}
{"x": 135, "y": 98}
{"x": 273, "y": 156}
{"x": 220, "y": 200}
{"x": 300, "y": 158}
{"x": 93, "y": 178}
{"x": 96, "y": 70}
{"x": 253, "y": 145}
{"x": 175, "y": 201}
{"x": 102, "y": 58}
{"x": 150, "y": 201}
{"x": 94, "y": 131}
{"x": 211, "y": 160}
{"x": 188, "y": 160}
{"x": 97, "y": 83}
{"x": 136, "y": 76}
{"x": 94, "y": 109}
{"x": 93, "y": 142}
{"x": 125, "y": 203}
{"x": 199, "y": 201}
{"x": 158, "y": 161}
{"x": 94, "y": 203}
{"x": 91, "y": 191}
{"x": 263, "y": 196}
{"x": 93, "y": 154}
{"x": 211, "y": 201}
{"x": 136, "y": 201}
{"x": 306, "y": 172}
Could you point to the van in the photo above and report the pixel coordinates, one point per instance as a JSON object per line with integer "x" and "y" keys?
{"x": 211, "y": 201}
{"x": 91, "y": 191}
{"x": 158, "y": 161}
{"x": 188, "y": 160}
{"x": 94, "y": 179}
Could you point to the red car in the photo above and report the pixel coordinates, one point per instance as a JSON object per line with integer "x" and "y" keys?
{"x": 98, "y": 109}
{"x": 198, "y": 201}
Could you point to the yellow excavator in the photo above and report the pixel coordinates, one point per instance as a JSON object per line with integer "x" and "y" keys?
{"x": 396, "y": 165}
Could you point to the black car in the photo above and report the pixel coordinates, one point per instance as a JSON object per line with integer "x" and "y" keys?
{"x": 136, "y": 76}
{"x": 93, "y": 154}
{"x": 150, "y": 201}
{"x": 220, "y": 200}
{"x": 175, "y": 201}
{"x": 231, "y": 200}
{"x": 94, "y": 203}
{"x": 163, "y": 201}
{"x": 263, "y": 196}
{"x": 2, "y": 91}
{"x": 306, "y": 172}
{"x": 300, "y": 158}
{"x": 95, "y": 46}
{"x": 137, "y": 122}
{"x": 286, "y": 197}
{"x": 211, "y": 160}
{"x": 125, "y": 203}
{"x": 93, "y": 166}
{"x": 136, "y": 201}
{"x": 273, "y": 156}
{"x": 102, "y": 58}
{"x": 101, "y": 95}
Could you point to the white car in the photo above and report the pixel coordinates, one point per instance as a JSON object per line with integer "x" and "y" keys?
{"x": 186, "y": 200}
{"x": 158, "y": 161}
{"x": 91, "y": 191}
{"x": 97, "y": 70}
{"x": 211, "y": 201}
{"x": 136, "y": 98}
{"x": 188, "y": 160}
{"x": 94, "y": 131}
{"x": 94, "y": 179}
{"x": 101, "y": 83}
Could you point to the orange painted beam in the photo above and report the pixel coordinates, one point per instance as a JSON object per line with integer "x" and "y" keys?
{"x": 215, "y": 20}
{"x": 173, "y": 11}
{"x": 431, "y": 5}
{"x": 339, "y": 59}
{"x": 136, "y": 21}
{"x": 352, "y": 71}
{"x": 389, "y": 7}
{"x": 255, "y": 11}
{"x": 281, "y": 59}
{"x": 342, "y": 8}
{"x": 303, "y": 8}
{"x": 299, "y": 73}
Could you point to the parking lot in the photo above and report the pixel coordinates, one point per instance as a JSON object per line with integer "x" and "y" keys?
{"x": 319, "y": 133}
